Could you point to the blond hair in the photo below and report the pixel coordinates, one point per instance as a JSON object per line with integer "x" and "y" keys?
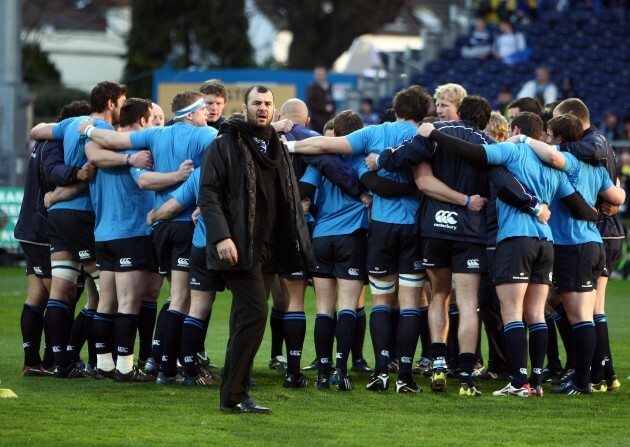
{"x": 497, "y": 127}
{"x": 455, "y": 93}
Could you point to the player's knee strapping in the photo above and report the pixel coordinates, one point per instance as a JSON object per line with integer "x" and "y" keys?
{"x": 382, "y": 287}
{"x": 96, "y": 276}
{"x": 68, "y": 270}
{"x": 412, "y": 279}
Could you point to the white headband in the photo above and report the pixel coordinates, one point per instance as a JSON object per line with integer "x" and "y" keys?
{"x": 191, "y": 108}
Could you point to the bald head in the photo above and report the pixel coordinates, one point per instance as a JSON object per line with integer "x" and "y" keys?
{"x": 296, "y": 111}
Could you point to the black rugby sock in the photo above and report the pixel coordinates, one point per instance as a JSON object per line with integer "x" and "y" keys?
{"x": 192, "y": 331}
{"x": 407, "y": 340}
{"x": 538, "y": 336}
{"x": 359, "y": 337}
{"x": 553, "y": 354}
{"x": 125, "y": 328}
{"x": 324, "y": 335}
{"x": 584, "y": 337}
{"x": 601, "y": 327}
{"x": 103, "y": 330}
{"x": 77, "y": 336}
{"x": 425, "y": 333}
{"x": 395, "y": 316}
{"x": 206, "y": 324}
{"x": 381, "y": 331}
{"x": 294, "y": 330}
{"x": 146, "y": 323}
{"x": 172, "y": 341}
{"x": 276, "y": 323}
{"x": 566, "y": 334}
{"x": 453, "y": 338}
{"x": 516, "y": 344}
{"x": 32, "y": 325}
{"x": 158, "y": 337}
{"x": 56, "y": 323}
{"x": 345, "y": 333}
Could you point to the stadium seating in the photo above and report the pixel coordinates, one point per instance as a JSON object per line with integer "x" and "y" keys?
{"x": 594, "y": 49}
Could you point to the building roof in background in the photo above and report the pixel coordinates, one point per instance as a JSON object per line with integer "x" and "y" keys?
{"x": 75, "y": 15}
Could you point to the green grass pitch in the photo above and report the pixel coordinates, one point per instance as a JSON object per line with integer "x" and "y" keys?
{"x": 83, "y": 412}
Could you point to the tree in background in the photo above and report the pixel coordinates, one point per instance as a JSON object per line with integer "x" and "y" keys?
{"x": 323, "y": 30}
{"x": 44, "y": 84}
{"x": 182, "y": 34}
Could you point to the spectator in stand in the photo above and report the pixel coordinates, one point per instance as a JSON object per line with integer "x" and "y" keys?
{"x": 366, "y": 112}
{"x": 503, "y": 99}
{"x": 509, "y": 46}
{"x": 610, "y": 126}
{"x": 319, "y": 98}
{"x": 567, "y": 89}
{"x": 479, "y": 43}
{"x": 541, "y": 87}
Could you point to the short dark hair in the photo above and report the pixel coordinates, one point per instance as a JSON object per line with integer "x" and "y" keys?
{"x": 213, "y": 87}
{"x": 330, "y": 125}
{"x": 133, "y": 109}
{"x": 412, "y": 103}
{"x": 476, "y": 110}
{"x": 347, "y": 122}
{"x": 75, "y": 108}
{"x": 103, "y": 92}
{"x": 529, "y": 123}
{"x": 576, "y": 108}
{"x": 184, "y": 99}
{"x": 388, "y": 116}
{"x": 526, "y": 105}
{"x": 566, "y": 126}
{"x": 259, "y": 88}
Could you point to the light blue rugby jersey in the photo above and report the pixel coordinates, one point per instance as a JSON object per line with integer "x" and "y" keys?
{"x": 74, "y": 155}
{"x": 589, "y": 181}
{"x": 337, "y": 212}
{"x": 170, "y": 147}
{"x": 188, "y": 195}
{"x": 545, "y": 182}
{"x": 396, "y": 210}
{"x": 121, "y": 207}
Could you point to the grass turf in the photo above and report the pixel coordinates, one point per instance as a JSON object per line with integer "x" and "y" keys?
{"x": 88, "y": 412}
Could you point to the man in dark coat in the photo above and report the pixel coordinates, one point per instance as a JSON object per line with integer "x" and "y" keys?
{"x": 255, "y": 228}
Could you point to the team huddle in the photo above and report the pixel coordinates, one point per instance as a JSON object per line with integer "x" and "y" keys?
{"x": 449, "y": 222}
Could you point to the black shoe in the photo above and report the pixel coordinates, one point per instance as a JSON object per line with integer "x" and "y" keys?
{"x": 247, "y": 406}
{"x": 68, "y": 372}
{"x": 199, "y": 380}
{"x": 322, "y": 382}
{"x": 135, "y": 375}
{"x": 378, "y": 382}
{"x": 312, "y": 367}
{"x": 393, "y": 366}
{"x": 343, "y": 382}
{"x": 99, "y": 374}
{"x": 566, "y": 376}
{"x": 360, "y": 365}
{"x": 204, "y": 361}
{"x": 162, "y": 379}
{"x": 570, "y": 389}
{"x": 33, "y": 371}
{"x": 293, "y": 381}
{"x": 407, "y": 386}
{"x": 151, "y": 367}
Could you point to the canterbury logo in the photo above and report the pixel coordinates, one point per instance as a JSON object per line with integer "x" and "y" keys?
{"x": 189, "y": 359}
{"x": 182, "y": 262}
{"x": 353, "y": 272}
{"x": 473, "y": 263}
{"x": 125, "y": 262}
{"x": 37, "y": 270}
{"x": 84, "y": 254}
{"x": 446, "y": 217}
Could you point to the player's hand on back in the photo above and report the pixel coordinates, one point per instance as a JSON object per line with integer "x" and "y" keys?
{"x": 425, "y": 129}
{"x": 142, "y": 160}
{"x": 185, "y": 169}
